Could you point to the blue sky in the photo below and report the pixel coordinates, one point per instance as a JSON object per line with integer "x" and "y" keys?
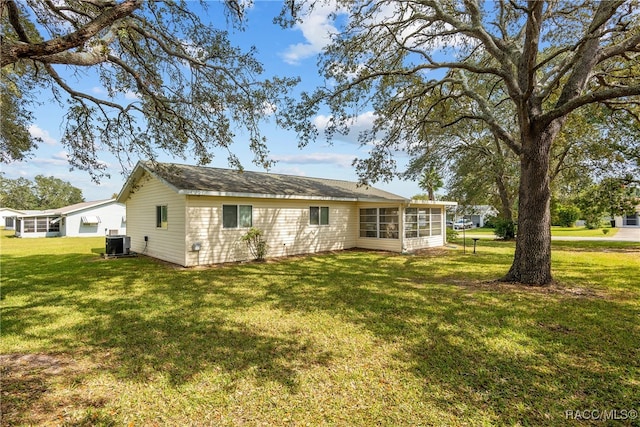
{"x": 283, "y": 52}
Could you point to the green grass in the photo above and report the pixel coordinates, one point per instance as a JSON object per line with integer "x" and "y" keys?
{"x": 345, "y": 338}
{"x": 555, "y": 231}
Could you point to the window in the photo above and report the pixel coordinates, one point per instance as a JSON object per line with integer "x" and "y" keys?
{"x": 29, "y": 225}
{"x": 161, "y": 216}
{"x": 54, "y": 225}
{"x": 319, "y": 215}
{"x": 237, "y": 216}
{"x": 389, "y": 223}
{"x": 369, "y": 222}
{"x": 90, "y": 220}
{"x": 42, "y": 224}
{"x": 423, "y": 222}
{"x": 383, "y": 223}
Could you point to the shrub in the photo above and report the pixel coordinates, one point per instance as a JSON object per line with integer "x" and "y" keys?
{"x": 256, "y": 244}
{"x": 451, "y": 235}
{"x": 490, "y": 222}
{"x": 568, "y": 215}
{"x": 605, "y": 231}
{"x": 505, "y": 229}
{"x": 592, "y": 219}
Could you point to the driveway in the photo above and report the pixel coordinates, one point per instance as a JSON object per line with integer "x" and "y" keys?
{"x": 623, "y": 235}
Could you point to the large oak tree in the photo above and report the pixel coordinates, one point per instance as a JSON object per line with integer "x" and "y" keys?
{"x": 169, "y": 79}
{"x": 520, "y": 68}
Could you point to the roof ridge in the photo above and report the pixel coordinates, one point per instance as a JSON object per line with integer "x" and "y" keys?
{"x": 260, "y": 172}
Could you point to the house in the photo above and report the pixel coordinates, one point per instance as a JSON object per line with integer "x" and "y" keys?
{"x": 480, "y": 213}
{"x": 629, "y": 220}
{"x": 86, "y": 219}
{"x": 7, "y": 218}
{"x": 191, "y": 215}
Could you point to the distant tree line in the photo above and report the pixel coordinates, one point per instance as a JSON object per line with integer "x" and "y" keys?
{"x": 41, "y": 193}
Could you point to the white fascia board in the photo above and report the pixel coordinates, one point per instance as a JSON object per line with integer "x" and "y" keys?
{"x": 92, "y": 206}
{"x": 433, "y": 202}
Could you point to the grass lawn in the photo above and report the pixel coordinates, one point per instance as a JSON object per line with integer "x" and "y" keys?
{"x": 346, "y": 338}
{"x": 555, "y": 231}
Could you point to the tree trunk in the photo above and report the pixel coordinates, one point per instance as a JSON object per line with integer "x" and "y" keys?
{"x": 532, "y": 260}
{"x": 505, "y": 200}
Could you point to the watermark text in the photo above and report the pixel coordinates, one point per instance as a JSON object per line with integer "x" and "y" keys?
{"x": 601, "y": 414}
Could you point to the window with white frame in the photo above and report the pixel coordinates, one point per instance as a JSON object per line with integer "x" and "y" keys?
{"x": 422, "y": 222}
{"x": 237, "y": 216}
{"x": 319, "y": 215}
{"x": 29, "y": 225}
{"x": 382, "y": 223}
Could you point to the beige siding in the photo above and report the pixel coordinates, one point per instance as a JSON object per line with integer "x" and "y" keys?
{"x": 393, "y": 245}
{"x": 423, "y": 242}
{"x": 166, "y": 244}
{"x": 285, "y": 224}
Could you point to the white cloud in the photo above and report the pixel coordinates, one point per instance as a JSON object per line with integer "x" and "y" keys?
{"x": 61, "y": 155}
{"x": 37, "y": 132}
{"x": 132, "y": 96}
{"x": 337, "y": 159}
{"x": 317, "y": 30}
{"x": 360, "y": 123}
{"x": 61, "y": 158}
{"x": 290, "y": 171}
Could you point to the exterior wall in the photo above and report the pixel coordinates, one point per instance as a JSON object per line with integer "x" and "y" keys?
{"x": 111, "y": 218}
{"x": 195, "y": 234}
{"x": 392, "y": 245}
{"x": 163, "y": 243}
{"x": 285, "y": 224}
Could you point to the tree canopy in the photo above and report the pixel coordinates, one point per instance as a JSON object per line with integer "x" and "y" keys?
{"x": 171, "y": 81}
{"x": 518, "y": 69}
{"x": 41, "y": 193}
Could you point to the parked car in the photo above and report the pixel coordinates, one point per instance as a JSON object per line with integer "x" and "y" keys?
{"x": 450, "y": 224}
{"x": 462, "y": 223}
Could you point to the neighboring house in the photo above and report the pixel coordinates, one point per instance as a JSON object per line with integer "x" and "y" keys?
{"x": 477, "y": 214}
{"x": 191, "y": 215}
{"x": 8, "y": 218}
{"x": 629, "y": 220}
{"x": 86, "y": 219}
{"x": 480, "y": 213}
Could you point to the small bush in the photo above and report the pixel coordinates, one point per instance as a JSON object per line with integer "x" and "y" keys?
{"x": 451, "y": 235}
{"x": 505, "y": 229}
{"x": 568, "y": 215}
{"x": 605, "y": 231}
{"x": 257, "y": 246}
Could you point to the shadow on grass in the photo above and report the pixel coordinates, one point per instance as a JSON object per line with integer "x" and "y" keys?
{"x": 152, "y": 320}
{"x": 501, "y": 356}
{"x": 480, "y": 351}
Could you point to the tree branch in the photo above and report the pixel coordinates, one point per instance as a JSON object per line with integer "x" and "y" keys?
{"x": 11, "y": 52}
{"x": 590, "y": 98}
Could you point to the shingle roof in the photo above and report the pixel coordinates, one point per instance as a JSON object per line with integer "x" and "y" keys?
{"x": 200, "y": 180}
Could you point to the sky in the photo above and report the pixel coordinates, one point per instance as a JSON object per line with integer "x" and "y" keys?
{"x": 283, "y": 52}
